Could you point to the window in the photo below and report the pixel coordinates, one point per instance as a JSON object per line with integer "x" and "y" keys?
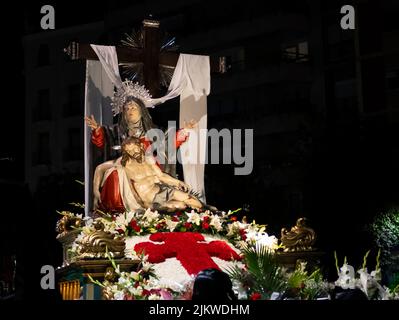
{"x": 42, "y": 110}
{"x": 235, "y": 58}
{"x": 339, "y": 43}
{"x": 296, "y": 53}
{"x": 73, "y": 106}
{"x": 42, "y": 154}
{"x": 74, "y": 150}
{"x": 43, "y": 55}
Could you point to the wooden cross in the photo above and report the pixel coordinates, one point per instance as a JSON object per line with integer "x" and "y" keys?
{"x": 150, "y": 56}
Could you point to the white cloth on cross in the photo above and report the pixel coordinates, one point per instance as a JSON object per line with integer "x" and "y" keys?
{"x": 191, "y": 80}
{"x": 109, "y": 60}
{"x": 99, "y": 90}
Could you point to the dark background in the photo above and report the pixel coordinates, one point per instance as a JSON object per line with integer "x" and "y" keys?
{"x": 331, "y": 154}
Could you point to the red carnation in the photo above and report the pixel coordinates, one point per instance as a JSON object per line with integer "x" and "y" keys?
{"x": 133, "y": 223}
{"x": 159, "y": 226}
{"x": 178, "y": 213}
{"x": 243, "y": 235}
{"x": 205, "y": 225}
{"x": 146, "y": 292}
{"x": 206, "y": 219}
{"x": 175, "y": 219}
{"x": 187, "y": 225}
{"x": 135, "y": 226}
{"x": 255, "y": 296}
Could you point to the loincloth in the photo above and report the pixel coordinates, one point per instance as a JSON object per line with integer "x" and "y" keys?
{"x": 164, "y": 195}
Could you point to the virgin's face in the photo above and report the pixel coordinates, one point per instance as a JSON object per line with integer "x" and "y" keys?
{"x": 132, "y": 112}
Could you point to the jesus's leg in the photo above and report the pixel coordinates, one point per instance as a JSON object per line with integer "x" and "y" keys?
{"x": 187, "y": 199}
{"x": 175, "y": 205}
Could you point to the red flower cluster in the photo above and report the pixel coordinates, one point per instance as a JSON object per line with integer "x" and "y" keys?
{"x": 205, "y": 225}
{"x": 193, "y": 256}
{"x": 133, "y": 224}
{"x": 160, "y": 225}
{"x": 255, "y": 296}
{"x": 187, "y": 225}
{"x": 243, "y": 235}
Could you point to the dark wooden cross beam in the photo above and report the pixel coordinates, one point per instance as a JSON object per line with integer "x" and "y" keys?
{"x": 150, "y": 56}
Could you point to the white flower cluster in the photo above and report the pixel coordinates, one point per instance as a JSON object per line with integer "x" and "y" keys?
{"x": 262, "y": 239}
{"x": 367, "y": 282}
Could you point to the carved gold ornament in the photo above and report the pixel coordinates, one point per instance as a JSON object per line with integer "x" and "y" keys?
{"x": 299, "y": 238}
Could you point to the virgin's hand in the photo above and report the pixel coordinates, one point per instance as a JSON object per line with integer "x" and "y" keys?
{"x": 91, "y": 122}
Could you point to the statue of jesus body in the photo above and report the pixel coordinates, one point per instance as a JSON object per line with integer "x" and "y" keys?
{"x": 150, "y": 187}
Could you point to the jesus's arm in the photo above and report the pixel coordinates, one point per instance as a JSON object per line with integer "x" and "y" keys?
{"x": 167, "y": 179}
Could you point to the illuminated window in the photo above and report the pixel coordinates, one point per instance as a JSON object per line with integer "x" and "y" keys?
{"x": 297, "y": 53}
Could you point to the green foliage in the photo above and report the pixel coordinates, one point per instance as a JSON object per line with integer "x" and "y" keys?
{"x": 385, "y": 230}
{"x": 297, "y": 278}
{"x": 305, "y": 286}
{"x": 263, "y": 274}
{"x": 394, "y": 285}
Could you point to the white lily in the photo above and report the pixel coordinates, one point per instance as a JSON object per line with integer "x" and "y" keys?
{"x": 193, "y": 217}
{"x": 216, "y": 223}
{"x": 171, "y": 224}
{"x": 270, "y": 242}
{"x": 346, "y": 277}
{"x": 119, "y": 295}
{"x": 136, "y": 291}
{"x": 150, "y": 216}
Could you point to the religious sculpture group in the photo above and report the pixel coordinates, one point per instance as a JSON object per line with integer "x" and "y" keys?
{"x": 135, "y": 190}
{"x": 133, "y": 179}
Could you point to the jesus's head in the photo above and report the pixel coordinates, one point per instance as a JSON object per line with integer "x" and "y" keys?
{"x": 132, "y": 149}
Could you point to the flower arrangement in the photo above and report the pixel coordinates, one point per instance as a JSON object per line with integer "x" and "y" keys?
{"x": 131, "y": 223}
{"x": 226, "y": 225}
{"x": 224, "y": 233}
{"x": 261, "y": 275}
{"x": 263, "y": 278}
{"x": 307, "y": 286}
{"x": 136, "y": 285}
{"x": 369, "y": 283}
{"x": 256, "y": 276}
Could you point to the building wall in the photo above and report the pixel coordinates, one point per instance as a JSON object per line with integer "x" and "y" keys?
{"x": 295, "y": 79}
{"x": 51, "y": 116}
